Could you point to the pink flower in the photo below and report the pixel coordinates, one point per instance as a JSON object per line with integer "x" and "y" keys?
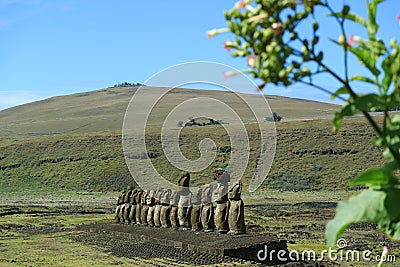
{"x": 277, "y": 28}
{"x": 228, "y": 45}
{"x": 241, "y": 4}
{"x": 213, "y": 32}
{"x": 398, "y": 17}
{"x": 230, "y": 74}
{"x": 354, "y": 39}
{"x": 385, "y": 250}
{"x": 258, "y": 17}
{"x": 251, "y": 61}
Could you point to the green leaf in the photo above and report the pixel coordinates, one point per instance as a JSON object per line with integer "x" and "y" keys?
{"x": 375, "y": 177}
{"x": 376, "y": 46}
{"x": 396, "y": 231}
{"x": 357, "y": 19}
{"x": 341, "y": 91}
{"x": 363, "y": 79}
{"x": 350, "y": 16}
{"x": 369, "y": 102}
{"x": 348, "y": 109}
{"x": 372, "y": 206}
{"x": 372, "y": 25}
{"x": 366, "y": 58}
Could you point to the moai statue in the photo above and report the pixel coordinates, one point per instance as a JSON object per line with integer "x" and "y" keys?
{"x": 157, "y": 209}
{"x": 195, "y": 214}
{"x": 138, "y": 199}
{"x": 151, "y": 203}
{"x": 132, "y": 213}
{"x": 128, "y": 207}
{"x": 165, "y": 208}
{"x": 125, "y": 209}
{"x": 184, "y": 201}
{"x": 120, "y": 201}
{"x": 174, "y": 210}
{"x": 236, "y": 211}
{"x": 220, "y": 195}
{"x": 145, "y": 208}
{"x": 207, "y": 212}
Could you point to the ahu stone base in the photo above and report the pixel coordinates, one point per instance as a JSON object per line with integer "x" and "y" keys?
{"x": 244, "y": 247}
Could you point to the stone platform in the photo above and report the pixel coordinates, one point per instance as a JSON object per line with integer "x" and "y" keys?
{"x": 243, "y": 247}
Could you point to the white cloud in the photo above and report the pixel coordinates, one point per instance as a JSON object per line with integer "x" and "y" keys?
{"x": 14, "y": 98}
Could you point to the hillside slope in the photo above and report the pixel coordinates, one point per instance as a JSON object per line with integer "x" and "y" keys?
{"x": 103, "y": 110}
{"x": 308, "y": 157}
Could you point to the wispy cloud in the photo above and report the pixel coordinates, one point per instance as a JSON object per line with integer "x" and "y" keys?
{"x": 14, "y": 98}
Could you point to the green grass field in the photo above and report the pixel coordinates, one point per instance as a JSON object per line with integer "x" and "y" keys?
{"x": 62, "y": 158}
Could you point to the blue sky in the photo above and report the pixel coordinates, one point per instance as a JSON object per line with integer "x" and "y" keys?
{"x": 50, "y": 47}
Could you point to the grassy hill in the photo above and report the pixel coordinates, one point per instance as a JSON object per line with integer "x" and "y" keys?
{"x": 74, "y": 142}
{"x": 103, "y": 110}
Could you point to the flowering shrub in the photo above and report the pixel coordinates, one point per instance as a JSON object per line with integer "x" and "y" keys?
{"x": 278, "y": 52}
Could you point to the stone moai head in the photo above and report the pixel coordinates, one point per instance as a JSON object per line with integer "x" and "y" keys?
{"x": 196, "y": 197}
{"x": 150, "y": 197}
{"x": 138, "y": 196}
{"x": 175, "y": 198}
{"x": 144, "y": 197}
{"x": 236, "y": 192}
{"x": 221, "y": 176}
{"x": 206, "y": 196}
{"x": 166, "y": 196}
{"x": 158, "y": 195}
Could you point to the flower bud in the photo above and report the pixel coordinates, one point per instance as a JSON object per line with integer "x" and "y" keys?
{"x": 228, "y": 45}
{"x": 251, "y": 61}
{"x": 342, "y": 39}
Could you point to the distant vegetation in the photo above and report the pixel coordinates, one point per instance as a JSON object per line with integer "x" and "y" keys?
{"x": 194, "y": 122}
{"x": 275, "y": 117}
{"x": 127, "y": 84}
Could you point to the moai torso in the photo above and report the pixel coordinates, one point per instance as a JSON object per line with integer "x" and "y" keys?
{"x": 174, "y": 210}
{"x": 132, "y": 207}
{"x": 165, "y": 208}
{"x": 184, "y": 201}
{"x": 138, "y": 198}
{"x": 195, "y": 214}
{"x": 120, "y": 201}
{"x": 144, "y": 208}
{"x": 236, "y": 210}
{"x": 207, "y": 212}
{"x": 157, "y": 209}
{"x": 125, "y": 208}
{"x": 222, "y": 208}
{"x": 150, "y": 200}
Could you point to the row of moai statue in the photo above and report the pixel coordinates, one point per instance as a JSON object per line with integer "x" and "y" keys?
{"x": 186, "y": 210}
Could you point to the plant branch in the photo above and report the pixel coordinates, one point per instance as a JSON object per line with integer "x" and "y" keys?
{"x": 321, "y": 89}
